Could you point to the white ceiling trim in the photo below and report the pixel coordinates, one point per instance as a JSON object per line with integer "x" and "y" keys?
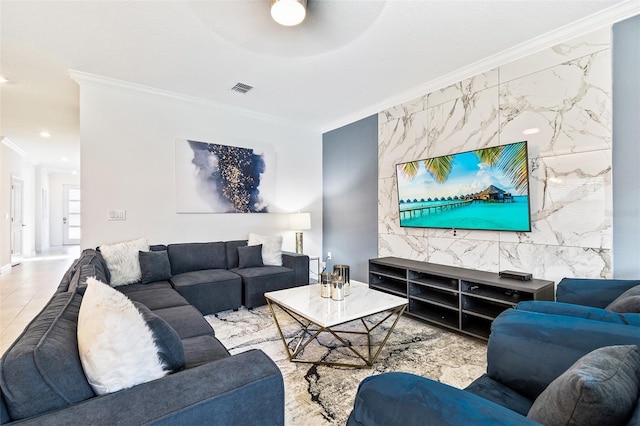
{"x": 7, "y": 142}
{"x": 581, "y": 27}
{"x": 84, "y": 78}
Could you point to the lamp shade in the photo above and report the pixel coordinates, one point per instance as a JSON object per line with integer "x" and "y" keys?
{"x": 288, "y": 12}
{"x": 300, "y": 221}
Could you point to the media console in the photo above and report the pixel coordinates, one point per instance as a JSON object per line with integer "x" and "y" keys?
{"x": 462, "y": 299}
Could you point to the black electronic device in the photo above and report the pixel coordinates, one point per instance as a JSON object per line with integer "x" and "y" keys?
{"x": 515, "y": 275}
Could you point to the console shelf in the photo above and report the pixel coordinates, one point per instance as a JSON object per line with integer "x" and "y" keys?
{"x": 462, "y": 299}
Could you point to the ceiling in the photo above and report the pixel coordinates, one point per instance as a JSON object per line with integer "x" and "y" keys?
{"x": 347, "y": 60}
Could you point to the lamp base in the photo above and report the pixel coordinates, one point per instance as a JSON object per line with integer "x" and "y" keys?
{"x": 299, "y": 242}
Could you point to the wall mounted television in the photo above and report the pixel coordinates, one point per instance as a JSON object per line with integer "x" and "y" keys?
{"x": 484, "y": 189}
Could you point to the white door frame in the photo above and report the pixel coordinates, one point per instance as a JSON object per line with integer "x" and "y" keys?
{"x": 17, "y": 219}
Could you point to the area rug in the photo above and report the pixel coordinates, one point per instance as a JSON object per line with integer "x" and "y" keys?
{"x": 323, "y": 395}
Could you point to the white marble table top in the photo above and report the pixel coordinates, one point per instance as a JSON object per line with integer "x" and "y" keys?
{"x": 326, "y": 312}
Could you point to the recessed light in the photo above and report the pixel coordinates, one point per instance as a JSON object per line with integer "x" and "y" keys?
{"x": 531, "y": 131}
{"x": 45, "y": 134}
{"x": 74, "y": 172}
{"x": 3, "y": 80}
{"x": 65, "y": 159}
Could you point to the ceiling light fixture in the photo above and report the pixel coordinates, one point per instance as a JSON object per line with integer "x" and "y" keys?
{"x": 531, "y": 131}
{"x": 3, "y": 80}
{"x": 45, "y": 134}
{"x": 288, "y": 12}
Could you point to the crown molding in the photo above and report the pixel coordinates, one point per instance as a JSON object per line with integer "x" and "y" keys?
{"x": 94, "y": 80}
{"x": 570, "y": 31}
{"x": 7, "y": 142}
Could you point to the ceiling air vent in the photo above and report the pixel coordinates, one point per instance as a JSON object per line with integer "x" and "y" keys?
{"x": 241, "y": 88}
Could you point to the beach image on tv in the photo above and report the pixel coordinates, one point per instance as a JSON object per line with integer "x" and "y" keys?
{"x": 485, "y": 189}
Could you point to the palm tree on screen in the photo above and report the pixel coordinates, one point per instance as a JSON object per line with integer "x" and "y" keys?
{"x": 511, "y": 159}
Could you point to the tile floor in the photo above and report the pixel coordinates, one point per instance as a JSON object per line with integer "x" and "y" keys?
{"x": 27, "y": 287}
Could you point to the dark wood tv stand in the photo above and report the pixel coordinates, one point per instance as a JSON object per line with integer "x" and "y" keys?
{"x": 464, "y": 300}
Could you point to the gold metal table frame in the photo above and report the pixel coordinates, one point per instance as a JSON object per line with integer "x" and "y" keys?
{"x": 310, "y": 331}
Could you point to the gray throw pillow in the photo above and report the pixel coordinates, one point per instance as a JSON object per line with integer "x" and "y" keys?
{"x": 600, "y": 388}
{"x": 627, "y": 302}
{"x": 154, "y": 266}
{"x": 250, "y": 256}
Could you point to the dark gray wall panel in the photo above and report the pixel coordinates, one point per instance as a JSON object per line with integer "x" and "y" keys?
{"x": 350, "y": 196}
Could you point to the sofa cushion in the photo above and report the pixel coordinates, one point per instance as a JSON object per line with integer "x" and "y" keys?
{"x": 126, "y": 289}
{"x": 43, "y": 364}
{"x": 257, "y": 281}
{"x": 122, "y": 260}
{"x": 629, "y": 301}
{"x": 200, "y": 350}
{"x": 118, "y": 348}
{"x": 271, "y": 248}
{"x": 579, "y": 311}
{"x": 187, "y": 321}
{"x": 210, "y": 291}
{"x": 154, "y": 266}
{"x": 250, "y": 256}
{"x": 157, "y": 298}
{"x": 600, "y": 388}
{"x": 232, "y": 252}
{"x": 189, "y": 257}
{"x": 495, "y": 391}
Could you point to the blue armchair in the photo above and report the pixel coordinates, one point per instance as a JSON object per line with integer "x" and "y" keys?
{"x": 525, "y": 353}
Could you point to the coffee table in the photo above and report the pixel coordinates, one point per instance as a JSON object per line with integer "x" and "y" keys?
{"x": 316, "y": 315}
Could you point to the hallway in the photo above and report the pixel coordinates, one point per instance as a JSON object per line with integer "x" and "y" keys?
{"x": 27, "y": 287}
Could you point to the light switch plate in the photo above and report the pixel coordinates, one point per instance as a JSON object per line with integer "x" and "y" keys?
{"x": 117, "y": 215}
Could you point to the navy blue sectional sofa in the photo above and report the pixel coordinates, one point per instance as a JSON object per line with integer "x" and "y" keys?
{"x": 529, "y": 347}
{"x": 41, "y": 376}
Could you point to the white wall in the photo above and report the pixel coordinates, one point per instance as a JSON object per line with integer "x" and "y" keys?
{"x": 127, "y": 154}
{"x": 57, "y": 181}
{"x": 13, "y": 164}
{"x": 565, "y": 91}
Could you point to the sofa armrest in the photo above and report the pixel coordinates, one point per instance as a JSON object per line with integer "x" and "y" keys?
{"x": 406, "y": 399}
{"x": 580, "y": 311}
{"x": 528, "y": 350}
{"x": 592, "y": 292}
{"x": 299, "y": 263}
{"x": 246, "y": 389}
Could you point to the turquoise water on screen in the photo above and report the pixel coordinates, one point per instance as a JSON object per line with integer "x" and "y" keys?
{"x": 481, "y": 215}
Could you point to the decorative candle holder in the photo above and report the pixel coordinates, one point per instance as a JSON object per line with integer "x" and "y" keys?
{"x": 337, "y": 287}
{"x": 343, "y": 271}
{"x": 325, "y": 284}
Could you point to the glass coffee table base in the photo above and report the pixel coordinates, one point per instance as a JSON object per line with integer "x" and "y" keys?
{"x": 310, "y": 331}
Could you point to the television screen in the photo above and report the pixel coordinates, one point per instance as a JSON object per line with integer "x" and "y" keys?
{"x": 485, "y": 189}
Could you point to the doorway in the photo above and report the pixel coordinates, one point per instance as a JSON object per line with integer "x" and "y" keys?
{"x": 17, "y": 219}
{"x": 71, "y": 215}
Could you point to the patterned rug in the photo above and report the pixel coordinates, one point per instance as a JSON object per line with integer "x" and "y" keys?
{"x": 323, "y": 395}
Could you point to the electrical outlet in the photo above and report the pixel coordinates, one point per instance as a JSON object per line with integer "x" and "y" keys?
{"x": 328, "y": 255}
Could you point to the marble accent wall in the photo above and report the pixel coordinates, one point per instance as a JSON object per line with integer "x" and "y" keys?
{"x": 564, "y": 91}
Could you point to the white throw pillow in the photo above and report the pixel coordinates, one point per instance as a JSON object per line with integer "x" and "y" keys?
{"x": 116, "y": 347}
{"x": 123, "y": 262}
{"x": 271, "y": 248}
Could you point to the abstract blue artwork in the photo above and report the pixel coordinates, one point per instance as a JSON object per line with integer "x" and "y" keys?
{"x": 215, "y": 178}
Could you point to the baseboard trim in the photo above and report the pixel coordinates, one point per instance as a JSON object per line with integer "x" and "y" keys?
{"x": 5, "y": 268}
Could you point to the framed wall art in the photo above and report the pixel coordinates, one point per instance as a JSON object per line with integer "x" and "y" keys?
{"x": 215, "y": 178}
